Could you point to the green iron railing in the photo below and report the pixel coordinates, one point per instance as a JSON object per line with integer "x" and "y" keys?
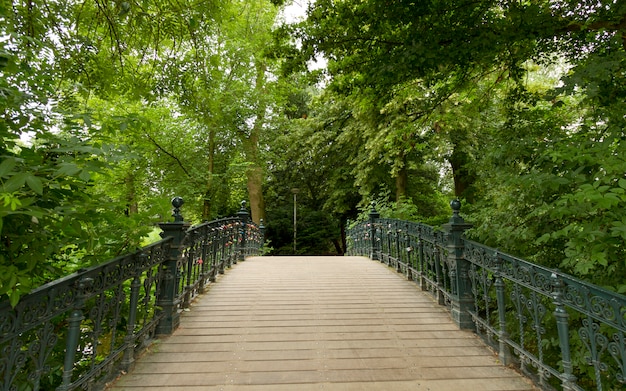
{"x": 561, "y": 332}
{"x": 81, "y": 331}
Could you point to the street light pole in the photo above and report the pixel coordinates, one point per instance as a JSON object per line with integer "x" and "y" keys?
{"x": 295, "y": 216}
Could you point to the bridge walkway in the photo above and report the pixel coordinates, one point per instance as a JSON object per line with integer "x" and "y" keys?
{"x": 317, "y": 323}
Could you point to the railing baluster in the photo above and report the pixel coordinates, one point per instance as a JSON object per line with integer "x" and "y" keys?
{"x": 206, "y": 265}
{"x": 421, "y": 261}
{"x": 438, "y": 277}
{"x": 398, "y": 256}
{"x": 104, "y": 314}
{"x": 375, "y": 244}
{"x": 188, "y": 259}
{"x": 567, "y": 378}
{"x": 73, "y": 332}
{"x": 409, "y": 250}
{"x": 243, "y": 216}
{"x": 129, "y": 339}
{"x": 507, "y": 298}
{"x": 504, "y": 350}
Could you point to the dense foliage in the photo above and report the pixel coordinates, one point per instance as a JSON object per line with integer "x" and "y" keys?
{"x": 522, "y": 101}
{"x": 109, "y": 109}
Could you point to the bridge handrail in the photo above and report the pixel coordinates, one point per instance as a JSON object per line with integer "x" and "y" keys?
{"x": 562, "y": 332}
{"x": 82, "y": 330}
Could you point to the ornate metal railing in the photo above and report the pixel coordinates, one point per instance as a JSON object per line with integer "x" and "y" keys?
{"x": 561, "y": 332}
{"x": 82, "y": 330}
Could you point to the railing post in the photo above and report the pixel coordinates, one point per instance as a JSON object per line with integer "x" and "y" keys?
{"x": 213, "y": 251}
{"x": 374, "y": 244}
{"x": 262, "y": 232}
{"x": 73, "y": 331}
{"x": 243, "y": 216}
{"x": 205, "y": 266}
{"x": 398, "y": 254}
{"x": 503, "y": 335}
{"x": 409, "y": 249}
{"x": 462, "y": 298}
{"x": 223, "y": 240}
{"x": 421, "y": 263}
{"x": 441, "y": 298}
{"x": 129, "y": 339}
{"x": 568, "y": 380}
{"x": 168, "y": 300}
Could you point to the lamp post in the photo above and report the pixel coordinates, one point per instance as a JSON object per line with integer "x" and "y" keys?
{"x": 295, "y": 192}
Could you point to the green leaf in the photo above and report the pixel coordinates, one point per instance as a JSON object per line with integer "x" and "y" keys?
{"x": 12, "y": 277}
{"x": 7, "y": 166}
{"x": 85, "y": 175}
{"x": 67, "y": 169}
{"x": 15, "y": 182}
{"x": 14, "y": 297}
{"x": 35, "y": 184}
{"x": 15, "y": 203}
{"x": 543, "y": 239}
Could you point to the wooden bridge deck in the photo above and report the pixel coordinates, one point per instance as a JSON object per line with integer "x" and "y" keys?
{"x": 318, "y": 323}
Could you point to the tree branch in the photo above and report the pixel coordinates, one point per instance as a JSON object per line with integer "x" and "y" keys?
{"x": 595, "y": 26}
{"x": 156, "y": 144}
{"x": 113, "y": 31}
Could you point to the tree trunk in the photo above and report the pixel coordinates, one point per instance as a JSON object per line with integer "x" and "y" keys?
{"x": 401, "y": 179}
{"x": 254, "y": 173}
{"x": 208, "y": 195}
{"x": 132, "y": 207}
{"x": 463, "y": 178}
{"x": 255, "y": 192}
{"x": 338, "y": 248}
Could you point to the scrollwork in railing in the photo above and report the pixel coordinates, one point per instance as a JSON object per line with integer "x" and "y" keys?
{"x": 478, "y": 255}
{"x": 617, "y": 350}
{"x": 427, "y": 234}
{"x": 596, "y": 343}
{"x": 209, "y": 248}
{"x": 545, "y": 321}
{"x": 213, "y": 240}
{"x": 98, "y": 319}
{"x": 600, "y": 304}
{"x": 540, "y": 372}
{"x": 514, "y": 269}
{"x": 530, "y": 293}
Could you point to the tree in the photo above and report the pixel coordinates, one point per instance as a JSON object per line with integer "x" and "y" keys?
{"x": 118, "y": 101}
{"x": 325, "y": 152}
{"x": 376, "y": 46}
{"x": 528, "y": 157}
{"x": 552, "y": 190}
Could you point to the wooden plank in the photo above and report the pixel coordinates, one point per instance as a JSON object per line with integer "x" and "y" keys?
{"x": 317, "y": 323}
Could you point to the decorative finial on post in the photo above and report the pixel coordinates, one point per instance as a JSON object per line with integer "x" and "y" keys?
{"x": 373, "y": 212}
{"x": 456, "y": 209}
{"x": 262, "y": 230}
{"x": 177, "y": 202}
{"x": 243, "y": 213}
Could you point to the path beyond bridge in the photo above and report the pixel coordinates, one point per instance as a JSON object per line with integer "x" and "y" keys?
{"x": 318, "y": 323}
